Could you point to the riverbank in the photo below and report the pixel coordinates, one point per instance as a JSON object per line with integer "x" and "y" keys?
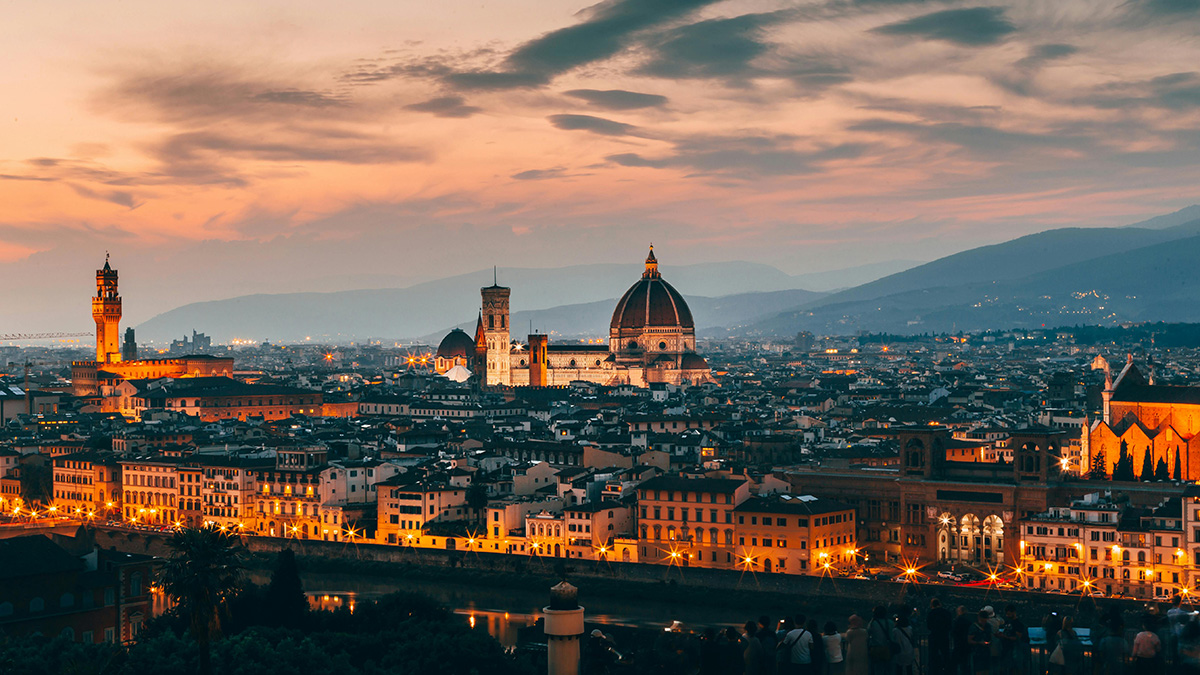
{"x": 639, "y": 589}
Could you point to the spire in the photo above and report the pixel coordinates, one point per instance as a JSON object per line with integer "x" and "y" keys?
{"x": 106, "y": 267}
{"x": 651, "y": 265}
{"x": 495, "y": 276}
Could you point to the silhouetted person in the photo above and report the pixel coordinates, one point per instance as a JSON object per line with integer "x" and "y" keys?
{"x": 939, "y": 622}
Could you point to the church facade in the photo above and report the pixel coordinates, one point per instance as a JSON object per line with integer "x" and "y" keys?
{"x": 1143, "y": 418}
{"x": 652, "y": 338}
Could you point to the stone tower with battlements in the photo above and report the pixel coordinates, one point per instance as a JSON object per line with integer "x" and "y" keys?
{"x": 106, "y": 310}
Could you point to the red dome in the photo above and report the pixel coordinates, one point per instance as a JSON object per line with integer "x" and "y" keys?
{"x": 456, "y": 344}
{"x": 652, "y": 302}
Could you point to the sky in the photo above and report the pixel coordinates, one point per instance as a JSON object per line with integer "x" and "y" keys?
{"x": 218, "y": 149}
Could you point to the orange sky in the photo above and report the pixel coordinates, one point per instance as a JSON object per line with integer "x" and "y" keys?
{"x": 252, "y": 143}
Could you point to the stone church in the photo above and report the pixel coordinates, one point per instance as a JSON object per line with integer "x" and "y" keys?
{"x": 652, "y": 338}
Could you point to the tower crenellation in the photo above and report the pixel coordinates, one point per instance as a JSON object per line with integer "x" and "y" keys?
{"x": 494, "y": 318}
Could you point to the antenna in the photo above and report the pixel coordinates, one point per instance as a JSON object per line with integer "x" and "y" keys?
{"x": 495, "y": 281}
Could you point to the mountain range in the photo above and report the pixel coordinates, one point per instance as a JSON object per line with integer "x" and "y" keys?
{"x": 1064, "y": 276}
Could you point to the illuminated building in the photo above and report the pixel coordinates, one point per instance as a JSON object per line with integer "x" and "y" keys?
{"x": 795, "y": 535}
{"x": 689, "y": 521}
{"x": 218, "y": 398}
{"x": 288, "y": 496}
{"x": 593, "y": 530}
{"x": 652, "y": 339}
{"x": 106, "y": 310}
{"x": 228, "y": 488}
{"x": 934, "y": 509}
{"x": 150, "y": 488}
{"x": 406, "y": 506}
{"x": 1102, "y": 545}
{"x": 87, "y": 484}
{"x": 1143, "y": 417}
{"x": 89, "y": 378}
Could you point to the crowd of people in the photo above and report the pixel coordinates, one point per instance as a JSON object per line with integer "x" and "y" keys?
{"x": 901, "y": 641}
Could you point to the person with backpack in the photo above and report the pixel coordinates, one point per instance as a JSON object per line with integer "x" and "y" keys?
{"x": 834, "y": 643}
{"x": 879, "y": 642}
{"x": 904, "y": 660}
{"x": 800, "y": 651}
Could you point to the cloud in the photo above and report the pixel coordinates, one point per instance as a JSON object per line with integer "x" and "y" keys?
{"x": 1176, "y": 91}
{"x": 1040, "y": 54}
{"x": 118, "y": 197}
{"x": 200, "y": 90}
{"x": 445, "y": 106}
{"x": 717, "y": 48}
{"x": 743, "y": 156}
{"x": 1167, "y": 8}
{"x": 618, "y": 99}
{"x": 987, "y": 142}
{"x": 541, "y": 174}
{"x": 608, "y": 29}
{"x": 596, "y": 125}
{"x": 973, "y": 27}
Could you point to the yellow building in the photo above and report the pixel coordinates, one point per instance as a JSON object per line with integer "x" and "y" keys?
{"x": 287, "y": 499}
{"x": 796, "y": 535}
{"x": 689, "y": 521}
{"x": 1102, "y": 546}
{"x": 87, "y": 485}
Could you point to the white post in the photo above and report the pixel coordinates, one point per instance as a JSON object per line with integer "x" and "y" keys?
{"x": 564, "y": 630}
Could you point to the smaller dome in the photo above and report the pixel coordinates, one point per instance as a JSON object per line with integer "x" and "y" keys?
{"x": 693, "y": 361}
{"x": 456, "y": 344}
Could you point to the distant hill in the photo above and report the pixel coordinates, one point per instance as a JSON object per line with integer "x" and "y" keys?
{"x": 1180, "y": 217}
{"x": 426, "y": 308}
{"x": 1150, "y": 282}
{"x": 1015, "y": 259}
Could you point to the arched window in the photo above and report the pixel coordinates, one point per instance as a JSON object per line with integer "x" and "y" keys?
{"x": 66, "y": 600}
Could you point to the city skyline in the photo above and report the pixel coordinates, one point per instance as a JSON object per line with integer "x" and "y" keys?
{"x": 287, "y": 147}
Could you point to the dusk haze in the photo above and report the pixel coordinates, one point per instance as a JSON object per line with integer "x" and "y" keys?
{"x": 677, "y": 337}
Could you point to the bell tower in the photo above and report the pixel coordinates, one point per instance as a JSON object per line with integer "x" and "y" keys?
{"x": 496, "y": 335}
{"x": 106, "y": 310}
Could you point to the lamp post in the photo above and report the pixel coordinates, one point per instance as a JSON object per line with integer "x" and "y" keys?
{"x": 564, "y": 630}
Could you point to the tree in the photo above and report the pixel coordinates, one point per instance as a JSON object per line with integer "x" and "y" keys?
{"x": 286, "y": 603}
{"x": 202, "y": 574}
{"x": 1124, "y": 468}
{"x": 1147, "y": 466}
{"x": 477, "y": 500}
{"x": 1178, "y": 465}
{"x": 1099, "y": 468}
{"x": 1161, "y": 473}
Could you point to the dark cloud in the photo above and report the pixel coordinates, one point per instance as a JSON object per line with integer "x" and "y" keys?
{"x": 1177, "y": 91}
{"x": 445, "y": 106}
{"x": 596, "y": 125}
{"x": 1040, "y": 54}
{"x": 118, "y": 197}
{"x": 541, "y": 174}
{"x": 609, "y": 28}
{"x": 973, "y": 27}
{"x": 618, "y": 99}
{"x": 743, "y": 156}
{"x": 717, "y": 48}
{"x": 1168, "y": 8}
{"x": 987, "y": 142}
{"x": 307, "y": 145}
{"x": 195, "y": 91}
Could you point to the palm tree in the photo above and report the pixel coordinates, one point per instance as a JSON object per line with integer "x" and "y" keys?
{"x": 202, "y": 574}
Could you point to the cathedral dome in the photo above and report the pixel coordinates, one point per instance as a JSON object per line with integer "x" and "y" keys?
{"x": 693, "y": 361}
{"x": 456, "y": 344}
{"x": 652, "y": 303}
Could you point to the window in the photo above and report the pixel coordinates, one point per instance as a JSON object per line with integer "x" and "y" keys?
{"x": 6, "y": 609}
{"x": 37, "y": 605}
{"x": 66, "y": 600}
